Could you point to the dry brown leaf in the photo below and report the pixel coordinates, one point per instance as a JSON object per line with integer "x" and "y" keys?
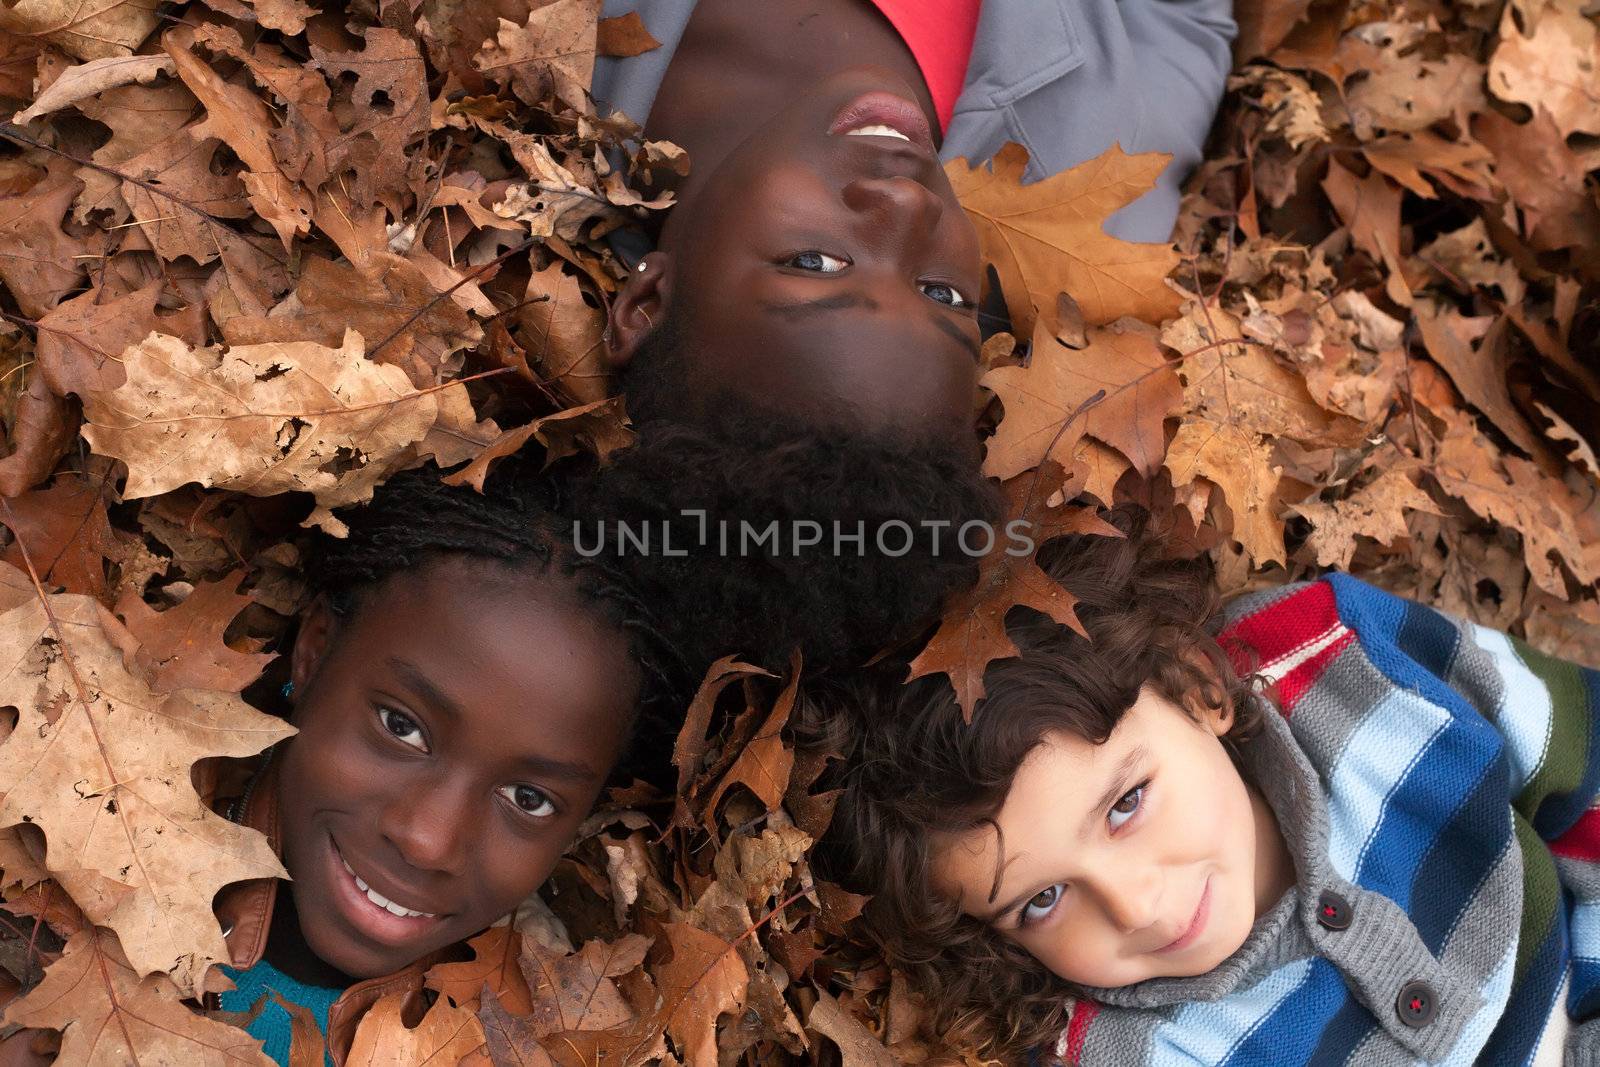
{"x": 81, "y": 340}
{"x": 101, "y": 764}
{"x": 1544, "y": 176}
{"x": 624, "y": 36}
{"x": 496, "y": 952}
{"x": 562, "y": 335}
{"x": 182, "y": 647}
{"x": 1458, "y": 165}
{"x": 110, "y": 1017}
{"x": 704, "y": 979}
{"x": 92, "y": 79}
{"x": 1047, "y": 237}
{"x": 65, "y": 534}
{"x": 1376, "y": 511}
{"x": 272, "y": 418}
{"x": 576, "y": 991}
{"x": 1045, "y": 402}
{"x": 307, "y": 1046}
{"x": 37, "y": 260}
{"x": 765, "y": 761}
{"x": 1239, "y": 462}
{"x": 552, "y": 54}
{"x": 446, "y": 1034}
{"x": 1370, "y": 206}
{"x": 1554, "y": 65}
{"x": 43, "y": 427}
{"x": 87, "y": 29}
{"x": 1480, "y": 373}
{"x": 508, "y": 1036}
{"x": 596, "y": 428}
{"x": 857, "y": 1045}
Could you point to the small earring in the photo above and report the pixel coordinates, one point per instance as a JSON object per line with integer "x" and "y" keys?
{"x": 288, "y": 690}
{"x": 642, "y": 267}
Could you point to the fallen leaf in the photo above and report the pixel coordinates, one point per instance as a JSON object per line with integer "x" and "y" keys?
{"x": 1239, "y": 462}
{"x": 1370, "y": 206}
{"x": 108, "y": 782}
{"x": 857, "y": 1045}
{"x": 1480, "y": 373}
{"x": 87, "y": 29}
{"x": 508, "y": 1036}
{"x": 624, "y": 36}
{"x": 1376, "y": 510}
{"x": 596, "y": 428}
{"x": 42, "y": 430}
{"x": 576, "y": 991}
{"x": 494, "y": 964}
{"x": 1047, "y": 237}
{"x": 1555, "y": 65}
{"x": 552, "y": 54}
{"x": 182, "y": 647}
{"x": 764, "y": 762}
{"x": 562, "y": 334}
{"x": 38, "y": 262}
{"x": 1051, "y": 403}
{"x": 109, "y": 1016}
{"x": 689, "y": 748}
{"x": 271, "y": 418}
{"x": 81, "y": 340}
{"x": 446, "y": 1034}
{"x": 704, "y": 979}
{"x": 307, "y": 1046}
{"x": 1544, "y": 176}
{"x": 92, "y": 79}
{"x": 65, "y": 534}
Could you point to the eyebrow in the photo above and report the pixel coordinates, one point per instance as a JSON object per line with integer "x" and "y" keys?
{"x": 541, "y": 766}
{"x": 1115, "y": 788}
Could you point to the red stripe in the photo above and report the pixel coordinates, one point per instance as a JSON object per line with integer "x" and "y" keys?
{"x": 1582, "y": 842}
{"x": 1083, "y": 1013}
{"x": 1293, "y": 622}
{"x": 1293, "y": 686}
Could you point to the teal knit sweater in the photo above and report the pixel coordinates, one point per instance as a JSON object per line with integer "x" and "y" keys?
{"x": 271, "y": 1027}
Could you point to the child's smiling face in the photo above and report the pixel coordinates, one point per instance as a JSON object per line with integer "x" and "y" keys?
{"x": 1147, "y": 856}
{"x": 455, "y": 730}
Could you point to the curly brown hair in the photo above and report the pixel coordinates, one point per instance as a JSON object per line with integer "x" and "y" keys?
{"x": 914, "y": 772}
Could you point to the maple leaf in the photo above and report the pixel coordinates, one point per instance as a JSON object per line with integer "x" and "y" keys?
{"x": 575, "y": 991}
{"x": 101, "y": 764}
{"x": 972, "y": 631}
{"x": 261, "y": 419}
{"x": 1122, "y": 365}
{"x": 552, "y": 54}
{"x": 494, "y": 965}
{"x": 1046, "y": 237}
{"x": 87, "y": 29}
{"x": 446, "y": 1034}
{"x": 182, "y": 647}
{"x": 109, "y": 1016}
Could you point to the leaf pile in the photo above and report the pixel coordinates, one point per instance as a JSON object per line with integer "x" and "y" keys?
{"x": 258, "y": 256}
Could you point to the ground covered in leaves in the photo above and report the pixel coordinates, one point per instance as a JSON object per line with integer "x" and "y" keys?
{"x": 257, "y": 256}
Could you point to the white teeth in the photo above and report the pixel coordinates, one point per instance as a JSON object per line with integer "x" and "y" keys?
{"x": 876, "y": 131}
{"x": 382, "y": 901}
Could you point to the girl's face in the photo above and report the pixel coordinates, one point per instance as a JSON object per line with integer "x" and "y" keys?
{"x": 1146, "y": 856}
{"x": 454, "y": 732}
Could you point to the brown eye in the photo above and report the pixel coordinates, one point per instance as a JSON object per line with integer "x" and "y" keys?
{"x": 1039, "y": 905}
{"x": 1126, "y": 806}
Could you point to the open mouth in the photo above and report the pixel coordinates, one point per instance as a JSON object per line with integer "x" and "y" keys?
{"x": 883, "y": 114}
{"x": 374, "y": 914}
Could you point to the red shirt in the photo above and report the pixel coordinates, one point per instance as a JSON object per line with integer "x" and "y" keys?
{"x": 939, "y": 34}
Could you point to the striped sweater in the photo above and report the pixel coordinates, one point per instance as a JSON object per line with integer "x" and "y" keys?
{"x": 1435, "y": 782}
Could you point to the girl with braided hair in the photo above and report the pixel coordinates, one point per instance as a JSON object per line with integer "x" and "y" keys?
{"x": 464, "y": 685}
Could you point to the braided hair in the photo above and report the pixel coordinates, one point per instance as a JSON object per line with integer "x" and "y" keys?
{"x": 415, "y": 518}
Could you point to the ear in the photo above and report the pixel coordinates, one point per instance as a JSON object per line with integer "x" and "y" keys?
{"x": 639, "y": 305}
{"x": 1218, "y": 720}
{"x": 311, "y": 644}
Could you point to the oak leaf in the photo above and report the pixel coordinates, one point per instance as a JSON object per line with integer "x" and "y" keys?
{"x": 87, "y": 29}
{"x": 81, "y": 340}
{"x": 183, "y": 648}
{"x": 624, "y": 37}
{"x": 38, "y": 262}
{"x": 1545, "y": 177}
{"x": 765, "y": 761}
{"x": 1051, "y": 403}
{"x": 508, "y": 1036}
{"x": 1239, "y": 462}
{"x": 1479, "y": 372}
{"x": 1555, "y": 65}
{"x": 372, "y": 147}
{"x": 1376, "y": 510}
{"x": 563, "y": 335}
{"x": 552, "y": 54}
{"x": 496, "y": 952}
{"x": 575, "y": 991}
{"x": 261, "y": 419}
{"x": 91, "y": 79}
{"x": 1046, "y": 237}
{"x": 101, "y": 764}
{"x": 857, "y": 1045}
{"x": 446, "y": 1034}
{"x": 64, "y": 532}
{"x": 43, "y": 428}
{"x": 705, "y": 978}
{"x": 110, "y": 1017}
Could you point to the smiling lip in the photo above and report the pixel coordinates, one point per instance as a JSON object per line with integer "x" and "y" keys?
{"x": 376, "y": 922}
{"x": 880, "y": 108}
{"x": 1197, "y": 925}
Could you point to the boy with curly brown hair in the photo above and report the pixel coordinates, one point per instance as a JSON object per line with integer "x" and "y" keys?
{"x": 1382, "y": 850}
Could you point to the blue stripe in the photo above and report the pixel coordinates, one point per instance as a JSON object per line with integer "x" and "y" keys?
{"x": 1516, "y": 1039}
{"x": 1525, "y": 716}
{"x": 1204, "y": 1032}
{"x": 1584, "y": 1000}
{"x": 1460, "y": 858}
{"x": 1291, "y": 1031}
{"x": 1428, "y": 638}
{"x": 1349, "y": 1027}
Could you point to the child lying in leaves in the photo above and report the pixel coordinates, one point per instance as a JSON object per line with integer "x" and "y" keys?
{"x": 1131, "y": 856}
{"x": 463, "y": 687}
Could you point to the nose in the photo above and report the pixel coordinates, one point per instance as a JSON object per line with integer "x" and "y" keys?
{"x": 898, "y": 202}
{"x": 428, "y": 824}
{"x": 1132, "y": 898}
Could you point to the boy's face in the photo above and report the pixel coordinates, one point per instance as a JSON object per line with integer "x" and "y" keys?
{"x": 1145, "y": 857}
{"x": 454, "y": 732}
